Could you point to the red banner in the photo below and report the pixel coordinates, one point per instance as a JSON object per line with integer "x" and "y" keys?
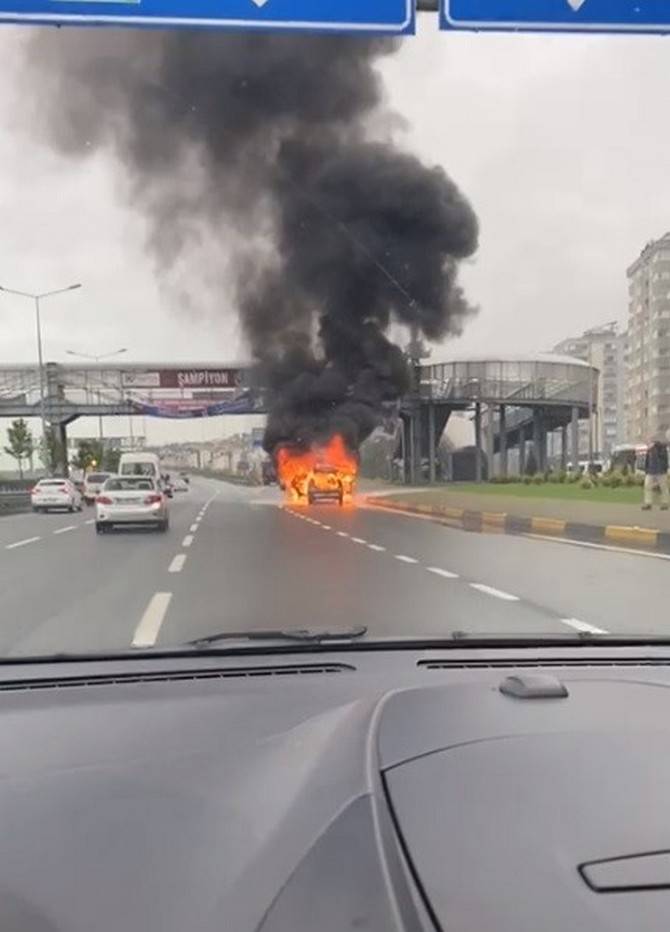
{"x": 199, "y": 378}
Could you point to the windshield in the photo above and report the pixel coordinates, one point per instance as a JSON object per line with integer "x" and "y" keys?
{"x": 125, "y": 485}
{"x": 397, "y": 309}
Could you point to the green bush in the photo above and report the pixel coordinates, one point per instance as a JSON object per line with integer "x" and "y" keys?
{"x": 586, "y": 483}
{"x": 538, "y": 480}
{"x": 616, "y": 479}
{"x": 527, "y": 480}
{"x": 629, "y": 481}
{"x": 562, "y": 476}
{"x": 625, "y": 470}
{"x": 607, "y": 480}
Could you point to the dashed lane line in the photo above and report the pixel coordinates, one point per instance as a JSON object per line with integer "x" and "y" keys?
{"x": 62, "y": 530}
{"x": 440, "y": 572}
{"x": 187, "y": 541}
{"x": 574, "y": 623}
{"x": 496, "y": 593}
{"x": 90, "y": 521}
{"x": 150, "y": 624}
{"x": 22, "y": 543}
{"x": 177, "y": 564}
{"x": 193, "y": 527}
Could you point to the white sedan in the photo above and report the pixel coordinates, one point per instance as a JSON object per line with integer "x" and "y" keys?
{"x": 131, "y": 500}
{"x": 50, "y": 494}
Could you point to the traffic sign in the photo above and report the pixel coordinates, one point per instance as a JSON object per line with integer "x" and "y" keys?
{"x": 352, "y": 16}
{"x": 557, "y": 15}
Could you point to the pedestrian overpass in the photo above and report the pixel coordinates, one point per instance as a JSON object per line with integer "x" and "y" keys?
{"x": 513, "y": 400}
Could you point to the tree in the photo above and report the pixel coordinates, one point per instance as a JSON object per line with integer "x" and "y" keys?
{"x": 110, "y": 460}
{"x": 89, "y": 455}
{"x": 21, "y": 443}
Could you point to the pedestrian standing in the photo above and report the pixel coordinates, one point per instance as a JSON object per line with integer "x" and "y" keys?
{"x": 656, "y": 474}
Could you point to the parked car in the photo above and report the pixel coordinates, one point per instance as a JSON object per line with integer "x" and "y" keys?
{"x": 128, "y": 500}
{"x": 55, "y": 493}
{"x": 93, "y": 484}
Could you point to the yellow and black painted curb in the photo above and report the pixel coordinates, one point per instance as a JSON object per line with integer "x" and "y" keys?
{"x": 638, "y": 537}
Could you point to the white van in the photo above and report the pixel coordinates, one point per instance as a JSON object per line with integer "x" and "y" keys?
{"x": 140, "y": 464}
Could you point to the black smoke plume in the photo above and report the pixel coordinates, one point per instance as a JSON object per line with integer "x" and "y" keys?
{"x": 336, "y": 234}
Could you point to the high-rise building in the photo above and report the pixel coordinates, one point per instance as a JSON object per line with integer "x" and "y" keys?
{"x": 602, "y": 347}
{"x": 648, "y": 349}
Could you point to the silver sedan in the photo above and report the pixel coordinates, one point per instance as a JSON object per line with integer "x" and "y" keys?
{"x": 131, "y": 500}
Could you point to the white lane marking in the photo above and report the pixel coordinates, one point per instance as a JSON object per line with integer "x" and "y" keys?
{"x": 582, "y": 626}
{"x": 342, "y": 534}
{"x": 150, "y": 624}
{"x": 496, "y": 593}
{"x": 592, "y": 546}
{"x": 359, "y": 540}
{"x": 404, "y": 559}
{"x": 62, "y": 530}
{"x": 90, "y": 521}
{"x": 177, "y": 564}
{"x": 440, "y": 572}
{"x": 326, "y": 527}
{"x": 377, "y": 547}
{"x": 22, "y": 543}
{"x": 193, "y": 527}
{"x": 187, "y": 541}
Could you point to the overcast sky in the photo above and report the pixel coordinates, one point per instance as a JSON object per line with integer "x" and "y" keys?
{"x": 562, "y": 144}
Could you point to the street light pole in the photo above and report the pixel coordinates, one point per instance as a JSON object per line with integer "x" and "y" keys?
{"x": 96, "y": 359}
{"x": 40, "y": 360}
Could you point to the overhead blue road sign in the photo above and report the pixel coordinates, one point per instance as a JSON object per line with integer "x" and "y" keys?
{"x": 557, "y": 15}
{"x": 353, "y": 16}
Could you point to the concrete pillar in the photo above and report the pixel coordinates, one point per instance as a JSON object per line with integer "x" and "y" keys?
{"x": 574, "y": 439}
{"x": 431, "y": 443}
{"x": 503, "y": 442}
{"x": 490, "y": 440}
{"x": 537, "y": 430}
{"x": 62, "y": 467}
{"x": 564, "y": 447}
{"x": 478, "y": 442}
{"x": 522, "y": 451}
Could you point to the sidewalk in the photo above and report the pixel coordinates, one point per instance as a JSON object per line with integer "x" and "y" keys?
{"x": 593, "y": 521}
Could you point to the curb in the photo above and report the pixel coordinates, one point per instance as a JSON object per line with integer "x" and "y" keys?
{"x": 641, "y": 538}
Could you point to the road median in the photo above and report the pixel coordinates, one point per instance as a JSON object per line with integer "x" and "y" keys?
{"x": 581, "y": 521}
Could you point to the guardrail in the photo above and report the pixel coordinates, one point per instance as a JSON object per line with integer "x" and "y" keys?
{"x": 12, "y": 503}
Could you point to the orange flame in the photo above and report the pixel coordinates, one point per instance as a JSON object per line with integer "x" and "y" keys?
{"x": 325, "y": 470}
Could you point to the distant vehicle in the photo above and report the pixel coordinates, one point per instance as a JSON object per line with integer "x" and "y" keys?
{"x": 140, "y": 464}
{"x": 180, "y": 484}
{"x": 93, "y": 484}
{"x": 268, "y": 472}
{"x": 131, "y": 500}
{"x": 325, "y": 484}
{"x": 51, "y": 494}
{"x": 185, "y": 477}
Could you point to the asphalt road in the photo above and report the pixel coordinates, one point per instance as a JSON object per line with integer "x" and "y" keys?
{"x": 235, "y": 559}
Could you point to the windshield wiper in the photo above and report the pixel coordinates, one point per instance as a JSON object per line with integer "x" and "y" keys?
{"x": 310, "y": 635}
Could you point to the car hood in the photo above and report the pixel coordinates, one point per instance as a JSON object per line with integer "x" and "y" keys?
{"x": 196, "y": 804}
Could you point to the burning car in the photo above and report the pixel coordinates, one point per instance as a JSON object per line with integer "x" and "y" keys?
{"x": 326, "y": 472}
{"x": 325, "y": 484}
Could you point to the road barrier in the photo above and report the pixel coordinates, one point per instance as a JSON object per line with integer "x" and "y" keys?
{"x": 613, "y": 534}
{"x": 12, "y": 503}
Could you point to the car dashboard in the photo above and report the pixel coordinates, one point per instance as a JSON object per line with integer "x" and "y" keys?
{"x": 374, "y": 789}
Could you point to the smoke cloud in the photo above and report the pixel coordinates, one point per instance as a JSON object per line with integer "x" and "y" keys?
{"x": 265, "y": 144}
